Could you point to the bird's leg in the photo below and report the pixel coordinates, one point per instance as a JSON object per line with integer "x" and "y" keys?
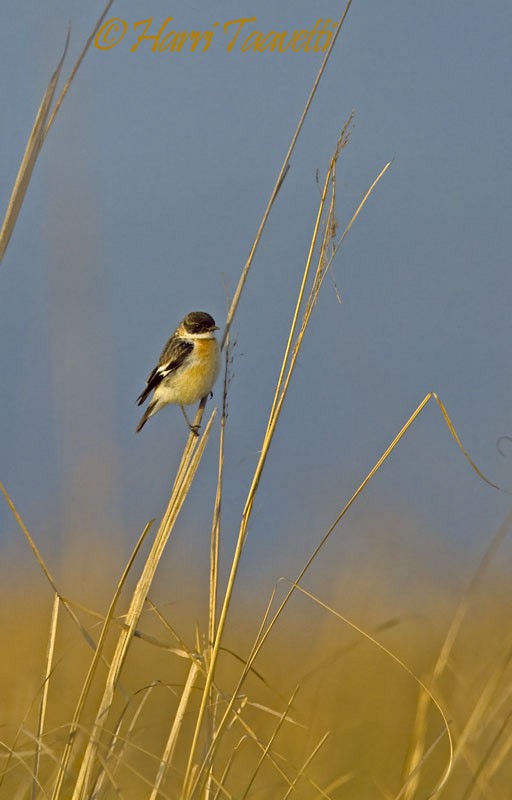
{"x": 193, "y": 428}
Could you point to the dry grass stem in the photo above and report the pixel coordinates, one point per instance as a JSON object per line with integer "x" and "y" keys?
{"x": 50, "y": 652}
{"x": 303, "y": 768}
{"x": 97, "y": 658}
{"x": 32, "y": 150}
{"x": 280, "y": 178}
{"x": 175, "y": 728}
{"x": 190, "y": 461}
{"x": 283, "y": 383}
{"x": 42, "y": 124}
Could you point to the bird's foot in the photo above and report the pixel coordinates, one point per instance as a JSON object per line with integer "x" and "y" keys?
{"x": 194, "y": 429}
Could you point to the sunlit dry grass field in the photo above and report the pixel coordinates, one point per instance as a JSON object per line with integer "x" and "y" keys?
{"x": 356, "y": 720}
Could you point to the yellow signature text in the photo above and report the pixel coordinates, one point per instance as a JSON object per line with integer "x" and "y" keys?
{"x": 240, "y": 35}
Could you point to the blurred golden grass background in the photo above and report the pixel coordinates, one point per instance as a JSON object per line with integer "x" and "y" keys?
{"x": 346, "y": 686}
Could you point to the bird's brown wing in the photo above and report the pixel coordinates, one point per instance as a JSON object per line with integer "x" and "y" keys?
{"x": 173, "y": 355}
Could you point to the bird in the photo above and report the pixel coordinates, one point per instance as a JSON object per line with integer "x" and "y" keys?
{"x": 187, "y": 368}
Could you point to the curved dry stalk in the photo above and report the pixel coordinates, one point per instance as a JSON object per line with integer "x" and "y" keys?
{"x": 403, "y": 666}
{"x": 415, "y": 754}
{"x": 362, "y": 486}
{"x": 266, "y": 627}
{"x": 412, "y": 776}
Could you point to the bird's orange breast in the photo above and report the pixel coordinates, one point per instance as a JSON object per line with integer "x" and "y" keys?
{"x": 195, "y": 378}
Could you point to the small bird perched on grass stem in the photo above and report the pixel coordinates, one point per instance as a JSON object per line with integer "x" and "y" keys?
{"x": 187, "y": 368}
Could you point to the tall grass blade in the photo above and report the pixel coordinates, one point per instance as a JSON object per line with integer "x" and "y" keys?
{"x": 175, "y": 729}
{"x": 50, "y": 650}
{"x": 43, "y": 122}
{"x": 280, "y": 178}
{"x": 98, "y": 656}
{"x": 32, "y": 150}
{"x": 191, "y": 788}
{"x": 192, "y": 456}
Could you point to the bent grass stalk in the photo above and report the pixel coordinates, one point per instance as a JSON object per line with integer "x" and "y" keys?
{"x": 266, "y": 627}
{"x": 361, "y": 632}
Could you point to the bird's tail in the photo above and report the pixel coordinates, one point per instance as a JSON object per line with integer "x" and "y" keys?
{"x": 150, "y": 410}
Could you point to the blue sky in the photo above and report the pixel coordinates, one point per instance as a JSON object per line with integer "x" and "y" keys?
{"x": 143, "y": 206}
